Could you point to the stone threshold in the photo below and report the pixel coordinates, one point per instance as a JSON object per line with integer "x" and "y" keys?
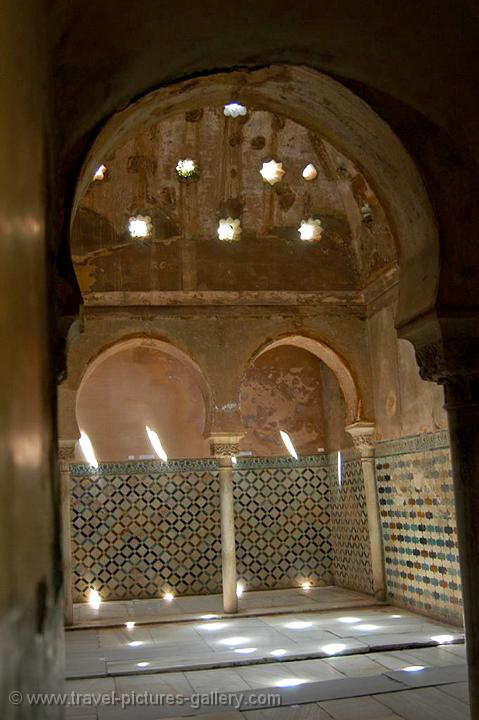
{"x": 109, "y": 623}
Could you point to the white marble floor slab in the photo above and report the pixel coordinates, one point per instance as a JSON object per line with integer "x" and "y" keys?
{"x": 425, "y": 704}
{"x": 190, "y": 607}
{"x": 243, "y": 640}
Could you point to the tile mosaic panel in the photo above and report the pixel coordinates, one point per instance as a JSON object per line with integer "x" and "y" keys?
{"x": 416, "y": 501}
{"x": 283, "y": 533}
{"x": 138, "y": 529}
{"x": 349, "y": 524}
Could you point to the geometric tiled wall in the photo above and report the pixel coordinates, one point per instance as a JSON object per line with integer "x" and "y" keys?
{"x": 416, "y": 504}
{"x": 283, "y": 528}
{"x": 349, "y": 522}
{"x": 141, "y": 527}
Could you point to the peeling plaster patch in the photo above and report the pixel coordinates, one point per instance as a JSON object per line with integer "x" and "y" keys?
{"x": 283, "y": 390}
{"x": 86, "y": 274}
{"x": 227, "y": 406}
{"x": 236, "y": 138}
{"x": 391, "y": 403}
{"x": 286, "y": 196}
{"x": 258, "y": 142}
{"x": 194, "y": 115}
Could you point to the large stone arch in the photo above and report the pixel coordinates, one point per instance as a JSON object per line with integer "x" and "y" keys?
{"x": 165, "y": 347}
{"x": 328, "y": 108}
{"x": 330, "y": 358}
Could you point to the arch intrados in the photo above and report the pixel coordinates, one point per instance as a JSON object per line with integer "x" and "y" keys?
{"x": 330, "y": 358}
{"x": 328, "y": 108}
{"x": 156, "y": 344}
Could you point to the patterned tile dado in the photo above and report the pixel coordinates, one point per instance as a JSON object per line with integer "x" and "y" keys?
{"x": 283, "y": 533}
{"x": 136, "y": 534}
{"x": 350, "y": 532}
{"x": 416, "y": 503}
{"x": 144, "y": 467}
{"x": 305, "y": 461}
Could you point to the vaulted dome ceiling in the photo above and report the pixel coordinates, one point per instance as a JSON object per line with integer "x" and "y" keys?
{"x": 184, "y": 251}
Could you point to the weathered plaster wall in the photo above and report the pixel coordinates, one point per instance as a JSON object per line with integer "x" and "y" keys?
{"x": 222, "y": 341}
{"x": 184, "y": 251}
{"x": 403, "y": 403}
{"x": 31, "y": 656}
{"x": 290, "y": 389}
{"x": 429, "y": 96}
{"x": 137, "y": 387}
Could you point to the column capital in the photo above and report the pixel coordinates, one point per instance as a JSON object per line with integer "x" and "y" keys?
{"x": 446, "y": 342}
{"x": 363, "y": 435}
{"x": 66, "y": 453}
{"x": 454, "y": 363}
{"x": 448, "y": 358}
{"x": 224, "y": 444}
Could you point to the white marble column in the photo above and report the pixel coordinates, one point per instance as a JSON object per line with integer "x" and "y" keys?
{"x": 362, "y": 433}
{"x": 66, "y": 453}
{"x": 224, "y": 447}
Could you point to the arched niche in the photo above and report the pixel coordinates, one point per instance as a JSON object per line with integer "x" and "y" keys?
{"x": 141, "y": 381}
{"x": 330, "y": 358}
{"x": 328, "y": 108}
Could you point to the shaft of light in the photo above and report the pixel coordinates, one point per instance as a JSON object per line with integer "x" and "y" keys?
{"x": 288, "y": 444}
{"x": 87, "y": 449}
{"x": 94, "y": 599}
{"x": 156, "y": 444}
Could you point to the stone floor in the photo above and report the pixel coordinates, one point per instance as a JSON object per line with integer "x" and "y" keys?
{"x": 369, "y": 663}
{"x": 193, "y": 607}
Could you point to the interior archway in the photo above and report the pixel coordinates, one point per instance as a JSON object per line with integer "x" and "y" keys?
{"x": 143, "y": 382}
{"x": 287, "y": 387}
{"x": 330, "y": 358}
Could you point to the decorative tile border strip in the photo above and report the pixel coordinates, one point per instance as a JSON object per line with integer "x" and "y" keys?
{"x": 260, "y": 463}
{"x": 143, "y": 467}
{"x": 413, "y": 444}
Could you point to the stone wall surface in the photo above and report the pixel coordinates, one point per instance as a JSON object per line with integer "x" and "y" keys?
{"x": 415, "y": 489}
